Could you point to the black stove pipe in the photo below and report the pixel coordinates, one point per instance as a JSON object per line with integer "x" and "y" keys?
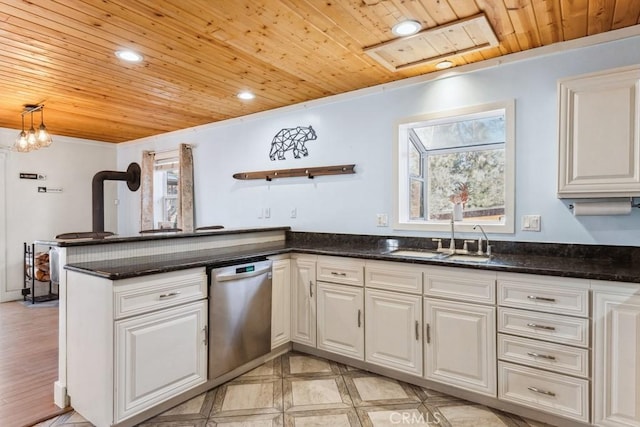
{"x": 131, "y": 176}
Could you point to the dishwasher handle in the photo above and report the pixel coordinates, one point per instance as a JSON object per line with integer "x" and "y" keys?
{"x": 237, "y": 276}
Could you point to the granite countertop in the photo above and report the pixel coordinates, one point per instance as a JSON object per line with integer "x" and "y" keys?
{"x": 154, "y": 236}
{"x": 550, "y": 259}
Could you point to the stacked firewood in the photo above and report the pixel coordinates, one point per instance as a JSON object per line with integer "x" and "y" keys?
{"x": 41, "y": 272}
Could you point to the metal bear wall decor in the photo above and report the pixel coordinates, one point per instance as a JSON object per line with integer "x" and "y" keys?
{"x": 291, "y": 139}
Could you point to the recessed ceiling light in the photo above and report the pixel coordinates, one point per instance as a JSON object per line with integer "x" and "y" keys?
{"x": 129, "y": 55}
{"x": 406, "y": 28}
{"x": 444, "y": 65}
{"x": 246, "y": 95}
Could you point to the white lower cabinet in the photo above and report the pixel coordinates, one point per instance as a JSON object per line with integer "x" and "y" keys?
{"x": 281, "y": 302}
{"x": 159, "y": 355}
{"x": 543, "y": 344}
{"x": 560, "y": 394}
{"x": 616, "y": 319}
{"x": 341, "y": 319}
{"x": 303, "y": 300}
{"x": 460, "y": 345}
{"x": 134, "y": 343}
{"x": 392, "y": 333}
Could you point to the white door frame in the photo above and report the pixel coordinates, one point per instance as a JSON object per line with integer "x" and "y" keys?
{"x": 5, "y": 295}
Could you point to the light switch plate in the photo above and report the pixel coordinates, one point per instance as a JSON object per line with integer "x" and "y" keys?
{"x": 531, "y": 222}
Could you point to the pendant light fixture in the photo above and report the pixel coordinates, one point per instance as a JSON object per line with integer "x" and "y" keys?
{"x": 32, "y": 140}
{"x": 44, "y": 137}
{"x": 21, "y": 142}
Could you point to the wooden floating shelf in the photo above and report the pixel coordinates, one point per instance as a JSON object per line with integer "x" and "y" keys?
{"x": 290, "y": 173}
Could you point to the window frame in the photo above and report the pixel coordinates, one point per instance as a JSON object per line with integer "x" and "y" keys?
{"x": 402, "y": 178}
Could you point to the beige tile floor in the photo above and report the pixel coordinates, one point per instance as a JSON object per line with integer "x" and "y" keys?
{"x": 297, "y": 390}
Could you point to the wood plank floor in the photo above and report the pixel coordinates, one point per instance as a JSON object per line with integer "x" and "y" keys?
{"x": 28, "y": 363}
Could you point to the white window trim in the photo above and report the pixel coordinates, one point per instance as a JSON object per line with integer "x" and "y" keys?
{"x": 401, "y": 219}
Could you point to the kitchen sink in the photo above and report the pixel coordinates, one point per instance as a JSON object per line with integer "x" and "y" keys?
{"x": 468, "y": 258}
{"x": 427, "y": 254}
{"x": 415, "y": 253}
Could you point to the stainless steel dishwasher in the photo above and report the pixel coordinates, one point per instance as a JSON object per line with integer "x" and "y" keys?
{"x": 239, "y": 315}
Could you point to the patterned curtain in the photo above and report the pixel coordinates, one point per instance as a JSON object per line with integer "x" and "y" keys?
{"x": 185, "y": 189}
{"x": 146, "y": 190}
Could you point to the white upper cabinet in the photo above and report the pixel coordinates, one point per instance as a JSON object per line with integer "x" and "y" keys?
{"x": 599, "y": 134}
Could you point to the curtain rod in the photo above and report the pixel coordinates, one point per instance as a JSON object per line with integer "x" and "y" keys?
{"x": 168, "y": 151}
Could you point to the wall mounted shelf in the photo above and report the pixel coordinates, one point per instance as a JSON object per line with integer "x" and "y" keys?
{"x": 290, "y": 173}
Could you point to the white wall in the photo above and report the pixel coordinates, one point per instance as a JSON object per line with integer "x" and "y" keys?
{"x": 70, "y": 164}
{"x": 361, "y": 129}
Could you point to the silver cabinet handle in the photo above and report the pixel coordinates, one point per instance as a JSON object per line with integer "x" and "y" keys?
{"x": 536, "y": 326}
{"x": 335, "y": 273}
{"x": 535, "y": 298}
{"x": 169, "y": 295}
{"x": 359, "y": 322}
{"x": 310, "y": 289}
{"x": 545, "y": 392}
{"x": 428, "y": 333}
{"x": 417, "y": 330}
{"x": 541, "y": 356}
{"x": 206, "y": 335}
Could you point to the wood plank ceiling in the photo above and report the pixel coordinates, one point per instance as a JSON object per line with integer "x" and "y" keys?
{"x": 198, "y": 54}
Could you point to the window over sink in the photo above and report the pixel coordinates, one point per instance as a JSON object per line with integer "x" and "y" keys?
{"x": 456, "y": 163}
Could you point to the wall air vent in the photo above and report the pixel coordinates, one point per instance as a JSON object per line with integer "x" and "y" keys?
{"x": 435, "y": 44}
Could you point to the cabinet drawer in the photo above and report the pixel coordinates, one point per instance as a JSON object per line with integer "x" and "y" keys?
{"x": 549, "y": 327}
{"x": 394, "y": 276}
{"x": 341, "y": 270}
{"x": 558, "y": 394}
{"x": 539, "y": 354}
{"x": 461, "y": 284}
{"x": 142, "y": 295}
{"x": 562, "y": 296}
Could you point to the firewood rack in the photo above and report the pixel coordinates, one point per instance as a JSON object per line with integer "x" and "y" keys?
{"x": 35, "y": 267}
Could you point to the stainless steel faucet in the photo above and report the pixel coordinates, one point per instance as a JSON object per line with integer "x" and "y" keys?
{"x": 480, "y": 240}
{"x": 452, "y": 244}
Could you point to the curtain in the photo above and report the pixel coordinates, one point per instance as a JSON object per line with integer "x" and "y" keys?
{"x": 185, "y": 189}
{"x": 146, "y": 190}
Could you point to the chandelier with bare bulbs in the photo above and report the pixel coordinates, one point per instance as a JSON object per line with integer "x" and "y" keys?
{"x": 33, "y": 139}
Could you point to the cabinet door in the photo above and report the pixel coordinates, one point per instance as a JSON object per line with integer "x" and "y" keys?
{"x": 599, "y": 135}
{"x": 303, "y": 309}
{"x": 340, "y": 319}
{"x": 281, "y": 303}
{"x": 460, "y": 346}
{"x": 158, "y": 356}
{"x": 617, "y": 359}
{"x": 392, "y": 334}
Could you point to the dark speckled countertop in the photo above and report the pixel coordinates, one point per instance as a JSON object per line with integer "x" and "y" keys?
{"x": 610, "y": 263}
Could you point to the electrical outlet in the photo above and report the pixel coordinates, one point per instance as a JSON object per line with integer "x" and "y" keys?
{"x": 294, "y": 213}
{"x": 382, "y": 220}
{"x": 267, "y": 212}
{"x": 531, "y": 223}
